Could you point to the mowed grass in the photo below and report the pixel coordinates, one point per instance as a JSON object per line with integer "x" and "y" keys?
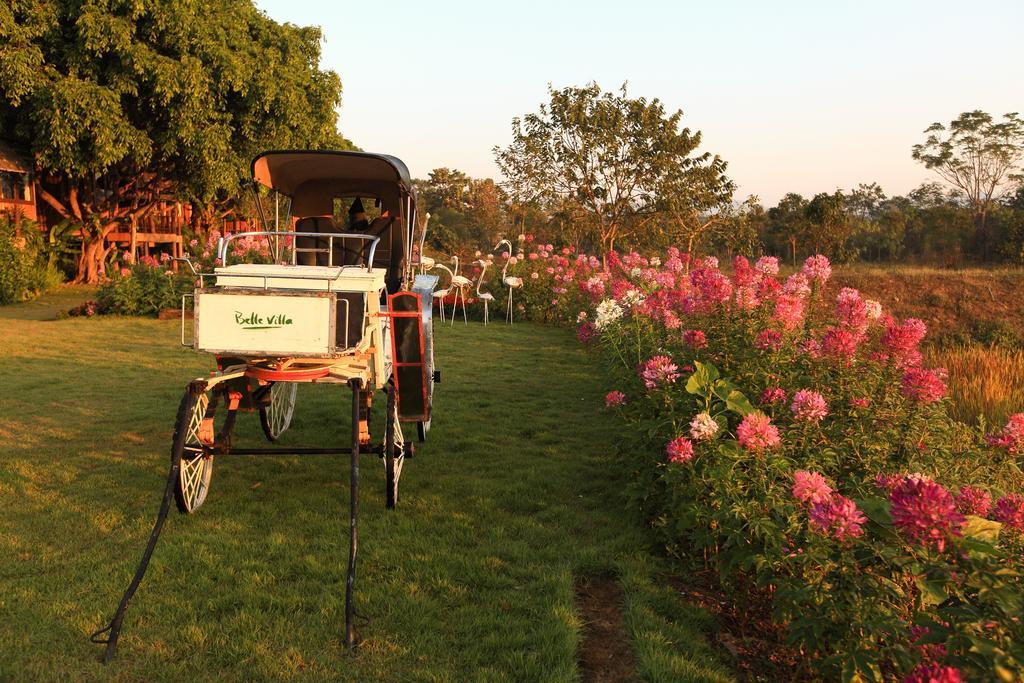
{"x": 518, "y": 492}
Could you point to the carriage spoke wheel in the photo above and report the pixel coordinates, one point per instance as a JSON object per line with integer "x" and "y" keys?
{"x": 394, "y": 450}
{"x": 276, "y": 416}
{"x": 197, "y": 424}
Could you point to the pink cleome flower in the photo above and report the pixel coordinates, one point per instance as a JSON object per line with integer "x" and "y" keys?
{"x": 756, "y": 432}
{"x": 658, "y": 371}
{"x": 925, "y": 512}
{"x": 789, "y": 311}
{"x": 809, "y": 406}
{"x": 1012, "y": 436}
{"x": 934, "y": 673}
{"x": 840, "y": 343}
{"x": 860, "y": 402}
{"x": 695, "y": 339}
{"x": 901, "y": 340}
{"x": 679, "y": 449}
{"x": 811, "y": 487}
{"x": 851, "y": 310}
{"x": 586, "y": 332}
{"x": 703, "y": 427}
{"x": 839, "y": 516}
{"x": 768, "y": 340}
{"x": 767, "y": 265}
{"x": 1010, "y": 511}
{"x": 773, "y": 395}
{"x": 973, "y": 501}
{"x": 817, "y": 268}
{"x": 924, "y": 386}
{"x": 614, "y": 399}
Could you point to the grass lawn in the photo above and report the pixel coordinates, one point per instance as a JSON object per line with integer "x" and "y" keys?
{"x": 517, "y": 495}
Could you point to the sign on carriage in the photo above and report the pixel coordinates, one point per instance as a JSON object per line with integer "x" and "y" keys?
{"x": 265, "y": 324}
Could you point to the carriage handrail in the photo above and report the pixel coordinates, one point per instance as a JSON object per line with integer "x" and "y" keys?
{"x": 222, "y": 247}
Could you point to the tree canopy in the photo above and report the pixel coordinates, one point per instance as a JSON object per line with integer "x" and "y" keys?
{"x": 129, "y": 103}
{"x": 611, "y": 161}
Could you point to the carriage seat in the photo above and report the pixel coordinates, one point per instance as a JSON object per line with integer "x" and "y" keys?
{"x": 325, "y": 225}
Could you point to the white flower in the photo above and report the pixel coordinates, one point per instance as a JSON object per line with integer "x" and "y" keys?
{"x": 477, "y": 254}
{"x": 703, "y": 426}
{"x": 873, "y": 309}
{"x": 522, "y": 237}
{"x": 631, "y": 298}
{"x": 636, "y": 272}
{"x": 581, "y": 317}
{"x": 607, "y": 312}
{"x": 655, "y": 262}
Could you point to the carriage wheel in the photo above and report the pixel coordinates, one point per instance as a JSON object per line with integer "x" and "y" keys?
{"x": 394, "y": 450}
{"x": 195, "y": 422}
{"x": 276, "y": 417}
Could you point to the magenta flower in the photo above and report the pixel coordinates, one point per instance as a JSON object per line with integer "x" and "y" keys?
{"x": 756, "y": 432}
{"x": 1010, "y": 511}
{"x": 811, "y": 487}
{"x": 817, "y": 268}
{"x": 934, "y": 673}
{"x": 839, "y": 517}
{"x": 614, "y": 399}
{"x": 840, "y": 343}
{"x": 925, "y": 512}
{"x": 695, "y": 339}
{"x": 860, "y": 402}
{"x": 924, "y": 386}
{"x": 680, "y": 450}
{"x": 768, "y": 340}
{"x": 809, "y": 406}
{"x": 851, "y": 311}
{"x": 767, "y": 265}
{"x": 586, "y": 332}
{"x": 973, "y": 501}
{"x": 659, "y": 371}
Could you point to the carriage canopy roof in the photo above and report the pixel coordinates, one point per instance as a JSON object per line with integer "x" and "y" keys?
{"x": 286, "y": 171}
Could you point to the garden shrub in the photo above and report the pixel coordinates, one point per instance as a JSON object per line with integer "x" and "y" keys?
{"x": 800, "y": 447}
{"x": 142, "y": 288}
{"x": 24, "y": 273}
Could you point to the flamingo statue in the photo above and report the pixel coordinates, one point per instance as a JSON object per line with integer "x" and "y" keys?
{"x": 486, "y": 297}
{"x": 510, "y": 281}
{"x": 440, "y": 294}
{"x": 461, "y": 284}
{"x": 425, "y": 262}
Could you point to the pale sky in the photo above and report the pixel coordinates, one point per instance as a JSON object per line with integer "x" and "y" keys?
{"x": 796, "y": 96}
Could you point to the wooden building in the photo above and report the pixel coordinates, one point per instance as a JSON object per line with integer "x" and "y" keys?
{"x": 17, "y": 185}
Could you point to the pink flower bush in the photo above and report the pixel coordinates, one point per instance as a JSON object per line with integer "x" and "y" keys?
{"x": 973, "y": 501}
{"x": 924, "y": 386}
{"x": 934, "y": 673}
{"x": 925, "y": 512}
{"x": 809, "y": 406}
{"x": 767, "y": 266}
{"x": 756, "y": 432}
{"x": 773, "y": 395}
{"x": 901, "y": 340}
{"x": 839, "y": 517}
{"x": 810, "y": 487}
{"x": 614, "y": 399}
{"x": 1010, "y": 511}
{"x": 840, "y": 343}
{"x": 659, "y": 371}
{"x": 851, "y": 311}
{"x": 680, "y": 450}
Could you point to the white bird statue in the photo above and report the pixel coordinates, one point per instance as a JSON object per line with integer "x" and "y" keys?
{"x": 425, "y": 262}
{"x": 486, "y": 297}
{"x": 461, "y": 284}
{"x": 510, "y": 281}
{"x": 440, "y": 294}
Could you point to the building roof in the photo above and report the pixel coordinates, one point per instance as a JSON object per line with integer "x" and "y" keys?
{"x": 12, "y": 161}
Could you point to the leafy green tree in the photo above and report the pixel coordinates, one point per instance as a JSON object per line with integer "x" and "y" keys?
{"x": 977, "y": 155}
{"x": 125, "y": 105}
{"x": 830, "y": 224}
{"x": 788, "y": 225}
{"x": 605, "y": 159}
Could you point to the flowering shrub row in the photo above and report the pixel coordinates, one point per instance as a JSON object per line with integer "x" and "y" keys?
{"x": 800, "y": 447}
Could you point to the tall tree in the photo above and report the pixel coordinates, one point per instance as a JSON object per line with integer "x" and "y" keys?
{"x": 125, "y": 105}
{"x": 603, "y": 158}
{"x": 977, "y": 155}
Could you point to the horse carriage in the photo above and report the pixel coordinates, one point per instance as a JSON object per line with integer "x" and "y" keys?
{"x": 330, "y": 306}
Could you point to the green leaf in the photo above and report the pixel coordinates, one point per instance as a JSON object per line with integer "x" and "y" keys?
{"x": 876, "y": 509}
{"x": 981, "y": 529}
{"x": 932, "y": 592}
{"x": 738, "y": 403}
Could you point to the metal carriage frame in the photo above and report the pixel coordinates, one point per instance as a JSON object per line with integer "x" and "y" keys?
{"x": 397, "y": 361}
